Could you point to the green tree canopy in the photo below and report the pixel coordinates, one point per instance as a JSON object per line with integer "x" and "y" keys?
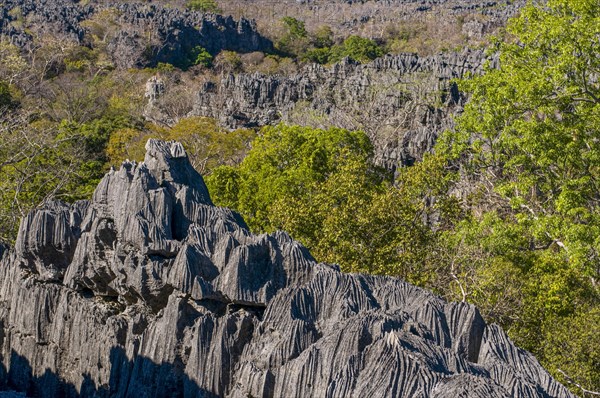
{"x": 294, "y": 40}
{"x": 321, "y": 187}
{"x": 358, "y": 48}
{"x": 530, "y": 140}
{"x": 206, "y": 144}
{"x": 5, "y": 95}
{"x": 203, "y": 6}
{"x": 286, "y": 161}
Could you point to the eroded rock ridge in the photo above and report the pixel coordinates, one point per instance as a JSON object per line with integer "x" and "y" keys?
{"x": 401, "y": 101}
{"x": 149, "y": 290}
{"x": 135, "y": 34}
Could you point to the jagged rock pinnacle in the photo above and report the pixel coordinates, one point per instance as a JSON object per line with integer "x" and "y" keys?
{"x": 149, "y": 290}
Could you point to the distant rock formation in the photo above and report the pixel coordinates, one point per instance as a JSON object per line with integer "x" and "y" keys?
{"x": 145, "y": 34}
{"x": 148, "y": 290}
{"x": 402, "y": 102}
{"x": 472, "y": 18}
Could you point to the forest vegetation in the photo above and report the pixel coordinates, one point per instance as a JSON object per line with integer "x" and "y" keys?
{"x": 504, "y": 213}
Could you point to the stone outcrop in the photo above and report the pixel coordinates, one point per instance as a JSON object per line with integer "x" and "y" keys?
{"x": 440, "y": 18}
{"x": 402, "y": 102}
{"x": 148, "y": 290}
{"x": 137, "y": 34}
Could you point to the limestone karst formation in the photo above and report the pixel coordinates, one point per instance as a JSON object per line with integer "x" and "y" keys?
{"x": 143, "y": 34}
{"x": 149, "y": 290}
{"x": 401, "y": 101}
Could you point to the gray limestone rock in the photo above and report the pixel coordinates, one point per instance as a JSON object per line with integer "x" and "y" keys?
{"x": 145, "y": 34}
{"x": 402, "y": 102}
{"x": 149, "y": 290}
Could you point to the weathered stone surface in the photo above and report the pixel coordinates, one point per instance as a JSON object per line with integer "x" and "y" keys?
{"x": 402, "y": 102}
{"x": 145, "y": 34}
{"x": 440, "y": 18}
{"x": 155, "y": 292}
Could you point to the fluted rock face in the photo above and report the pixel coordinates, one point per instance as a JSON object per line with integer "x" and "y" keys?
{"x": 145, "y": 34}
{"x": 148, "y": 290}
{"x": 402, "y": 102}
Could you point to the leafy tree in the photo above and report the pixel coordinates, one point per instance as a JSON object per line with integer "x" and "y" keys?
{"x": 322, "y": 40}
{"x": 5, "y": 94}
{"x": 207, "y": 145}
{"x": 229, "y": 61}
{"x": 224, "y": 184}
{"x": 571, "y": 349}
{"x": 295, "y": 27}
{"x": 40, "y": 161}
{"x": 191, "y": 56}
{"x": 294, "y": 40}
{"x": 323, "y": 37}
{"x": 531, "y": 140}
{"x": 361, "y": 221}
{"x": 203, "y": 6}
{"x": 321, "y": 186}
{"x": 287, "y": 161}
{"x": 53, "y": 144}
{"x": 13, "y": 66}
{"x": 318, "y": 55}
{"x": 361, "y": 49}
{"x": 126, "y": 144}
{"x": 358, "y": 48}
{"x": 102, "y": 26}
{"x": 200, "y": 56}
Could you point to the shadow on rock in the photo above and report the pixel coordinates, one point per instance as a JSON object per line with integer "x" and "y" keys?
{"x": 138, "y": 378}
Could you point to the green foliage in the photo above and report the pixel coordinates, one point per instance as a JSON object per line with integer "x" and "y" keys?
{"x": 335, "y": 216}
{"x": 192, "y": 56}
{"x": 206, "y": 144}
{"x": 532, "y": 139}
{"x": 294, "y": 40}
{"x": 5, "y": 95}
{"x": 322, "y": 41}
{"x": 224, "y": 185}
{"x": 202, "y": 57}
{"x": 165, "y": 67}
{"x": 45, "y": 160}
{"x": 54, "y": 146}
{"x": 323, "y": 37}
{"x": 360, "y": 49}
{"x": 357, "y": 48}
{"x": 199, "y": 56}
{"x": 295, "y": 27}
{"x": 535, "y": 123}
{"x": 103, "y": 26}
{"x": 80, "y": 58}
{"x": 321, "y": 187}
{"x": 318, "y": 55}
{"x": 571, "y": 345}
{"x": 287, "y": 161}
{"x": 319, "y": 45}
{"x": 203, "y": 6}
{"x": 12, "y": 65}
{"x": 125, "y": 144}
{"x": 229, "y": 61}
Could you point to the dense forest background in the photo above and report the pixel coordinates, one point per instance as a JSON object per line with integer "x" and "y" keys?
{"x": 502, "y": 213}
